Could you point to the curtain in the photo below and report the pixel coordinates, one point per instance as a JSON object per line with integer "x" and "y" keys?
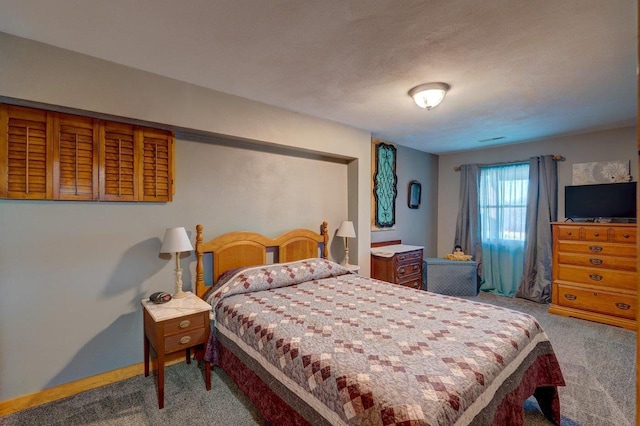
{"x": 542, "y": 201}
{"x": 502, "y": 198}
{"x": 468, "y": 224}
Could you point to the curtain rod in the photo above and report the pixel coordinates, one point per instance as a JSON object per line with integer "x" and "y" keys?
{"x": 555, "y": 157}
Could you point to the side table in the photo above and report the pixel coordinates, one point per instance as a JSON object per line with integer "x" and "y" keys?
{"x": 177, "y": 325}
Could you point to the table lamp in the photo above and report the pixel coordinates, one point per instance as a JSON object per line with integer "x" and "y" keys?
{"x": 176, "y": 241}
{"x": 346, "y": 231}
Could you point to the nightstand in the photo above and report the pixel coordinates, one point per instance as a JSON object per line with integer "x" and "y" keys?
{"x": 177, "y": 325}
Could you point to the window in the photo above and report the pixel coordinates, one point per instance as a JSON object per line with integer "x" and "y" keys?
{"x": 502, "y": 199}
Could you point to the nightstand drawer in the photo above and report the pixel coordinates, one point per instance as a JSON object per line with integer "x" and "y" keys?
{"x": 620, "y": 305}
{"x": 184, "y": 340}
{"x": 185, "y": 323}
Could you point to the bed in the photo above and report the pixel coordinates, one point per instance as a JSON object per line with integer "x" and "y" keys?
{"x": 310, "y": 342}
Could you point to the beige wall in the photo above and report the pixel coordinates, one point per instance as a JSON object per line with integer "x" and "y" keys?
{"x": 72, "y": 274}
{"x": 619, "y": 144}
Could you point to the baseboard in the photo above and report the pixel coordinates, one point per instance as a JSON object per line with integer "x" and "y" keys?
{"x": 72, "y": 388}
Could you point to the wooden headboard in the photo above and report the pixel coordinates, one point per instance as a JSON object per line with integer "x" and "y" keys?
{"x": 241, "y": 248}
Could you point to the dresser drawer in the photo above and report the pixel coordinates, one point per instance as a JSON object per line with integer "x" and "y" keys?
{"x": 611, "y": 249}
{"x": 409, "y": 257}
{"x": 184, "y": 340}
{"x": 610, "y": 303}
{"x": 596, "y": 233}
{"x": 413, "y": 282}
{"x": 597, "y": 261}
{"x": 408, "y": 269}
{"x": 568, "y": 232}
{"x": 187, "y": 323}
{"x": 598, "y": 277}
{"x": 624, "y": 235}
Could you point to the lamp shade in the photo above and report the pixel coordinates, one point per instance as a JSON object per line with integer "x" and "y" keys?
{"x": 346, "y": 230}
{"x": 429, "y": 95}
{"x": 175, "y": 240}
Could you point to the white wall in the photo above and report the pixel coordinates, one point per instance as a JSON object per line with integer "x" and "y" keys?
{"x": 619, "y": 144}
{"x": 72, "y": 273}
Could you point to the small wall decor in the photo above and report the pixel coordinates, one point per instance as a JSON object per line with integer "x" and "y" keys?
{"x": 600, "y": 172}
{"x": 414, "y": 194}
{"x": 384, "y": 186}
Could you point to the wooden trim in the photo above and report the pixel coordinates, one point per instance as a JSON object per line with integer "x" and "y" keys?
{"x": 386, "y": 243}
{"x": 72, "y": 388}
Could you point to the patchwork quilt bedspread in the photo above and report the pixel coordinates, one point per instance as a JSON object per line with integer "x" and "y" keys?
{"x": 360, "y": 351}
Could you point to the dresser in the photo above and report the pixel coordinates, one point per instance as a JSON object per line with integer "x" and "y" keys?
{"x": 595, "y": 272}
{"x": 398, "y": 264}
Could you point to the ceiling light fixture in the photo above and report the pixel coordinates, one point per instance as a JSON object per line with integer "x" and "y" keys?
{"x": 429, "y": 95}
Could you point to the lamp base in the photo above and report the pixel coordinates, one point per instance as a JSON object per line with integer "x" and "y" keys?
{"x": 179, "y": 294}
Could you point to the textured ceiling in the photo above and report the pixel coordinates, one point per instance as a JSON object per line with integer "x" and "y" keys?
{"x": 518, "y": 69}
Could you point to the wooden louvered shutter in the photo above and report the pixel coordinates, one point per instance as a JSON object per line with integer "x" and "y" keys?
{"x": 118, "y": 168}
{"x": 156, "y": 177}
{"x": 75, "y": 158}
{"x": 25, "y": 153}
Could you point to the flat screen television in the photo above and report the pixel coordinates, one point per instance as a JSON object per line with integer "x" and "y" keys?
{"x": 609, "y": 200}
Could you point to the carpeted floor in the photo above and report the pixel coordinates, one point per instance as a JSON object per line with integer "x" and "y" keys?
{"x": 598, "y": 363}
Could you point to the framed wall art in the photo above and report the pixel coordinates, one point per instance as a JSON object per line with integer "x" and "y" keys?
{"x": 384, "y": 186}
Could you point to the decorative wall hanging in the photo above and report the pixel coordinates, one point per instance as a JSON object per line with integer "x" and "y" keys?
{"x": 600, "y": 172}
{"x": 414, "y": 194}
{"x": 384, "y": 186}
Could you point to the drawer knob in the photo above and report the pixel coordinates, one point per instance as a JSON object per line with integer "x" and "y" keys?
{"x": 625, "y": 235}
{"x": 401, "y": 270}
{"x": 569, "y": 233}
{"x": 596, "y": 249}
{"x": 185, "y": 324}
{"x": 622, "y": 306}
{"x": 595, "y": 261}
{"x": 595, "y": 277}
{"x": 569, "y": 296}
{"x": 415, "y": 267}
{"x": 401, "y": 257}
{"x": 185, "y": 340}
{"x": 596, "y": 234}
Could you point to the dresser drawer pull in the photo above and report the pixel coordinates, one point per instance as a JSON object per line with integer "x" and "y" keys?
{"x": 401, "y": 257}
{"x": 569, "y": 233}
{"x": 416, "y": 267}
{"x": 570, "y": 296}
{"x": 596, "y": 234}
{"x": 595, "y": 261}
{"x": 185, "y": 340}
{"x": 185, "y": 324}
{"x": 623, "y": 306}
{"x": 626, "y": 235}
{"x": 401, "y": 270}
{"x": 596, "y": 249}
{"x": 595, "y": 277}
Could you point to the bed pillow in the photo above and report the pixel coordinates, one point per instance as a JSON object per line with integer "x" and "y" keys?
{"x": 265, "y": 277}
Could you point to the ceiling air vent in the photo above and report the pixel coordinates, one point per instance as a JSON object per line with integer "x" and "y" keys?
{"x": 492, "y": 139}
